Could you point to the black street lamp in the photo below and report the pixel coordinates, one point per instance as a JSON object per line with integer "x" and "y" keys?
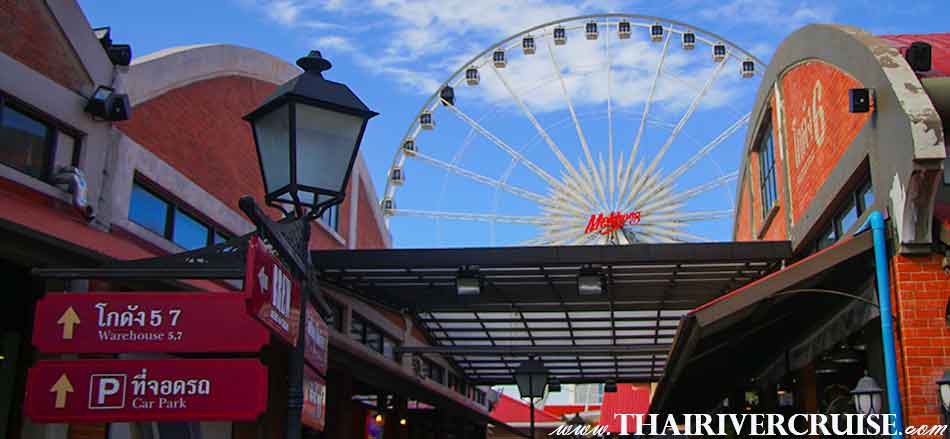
{"x": 943, "y": 392}
{"x": 532, "y": 378}
{"x": 867, "y": 396}
{"x": 307, "y": 134}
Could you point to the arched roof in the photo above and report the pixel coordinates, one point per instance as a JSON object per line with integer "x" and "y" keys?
{"x": 158, "y": 72}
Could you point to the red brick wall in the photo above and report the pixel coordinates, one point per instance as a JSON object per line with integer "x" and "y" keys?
{"x": 31, "y": 35}
{"x": 921, "y": 291}
{"x": 818, "y": 126}
{"x": 198, "y": 130}
{"x": 743, "y": 218}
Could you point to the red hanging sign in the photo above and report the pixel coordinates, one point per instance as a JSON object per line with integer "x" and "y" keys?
{"x": 316, "y": 336}
{"x": 273, "y": 292}
{"x": 145, "y": 322}
{"x": 146, "y": 390}
{"x": 314, "y": 409}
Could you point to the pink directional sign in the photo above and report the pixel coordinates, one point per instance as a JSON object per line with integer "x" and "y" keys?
{"x": 146, "y": 390}
{"x": 146, "y": 322}
{"x": 313, "y": 413}
{"x": 273, "y": 293}
{"x": 315, "y": 341}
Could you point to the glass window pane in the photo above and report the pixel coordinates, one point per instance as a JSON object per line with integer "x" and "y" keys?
{"x": 23, "y": 143}
{"x": 389, "y": 348}
{"x": 374, "y": 339}
{"x": 867, "y": 196}
{"x": 827, "y": 238}
{"x": 331, "y": 217}
{"x": 189, "y": 233}
{"x": 356, "y": 329}
{"x": 147, "y": 210}
{"x": 219, "y": 238}
{"x": 848, "y": 217}
{"x": 65, "y": 149}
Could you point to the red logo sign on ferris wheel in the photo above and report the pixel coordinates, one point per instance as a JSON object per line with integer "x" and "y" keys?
{"x": 611, "y": 222}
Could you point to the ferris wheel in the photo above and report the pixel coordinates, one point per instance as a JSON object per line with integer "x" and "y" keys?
{"x": 598, "y": 129}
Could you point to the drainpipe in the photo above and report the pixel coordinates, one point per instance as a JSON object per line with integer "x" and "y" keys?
{"x": 876, "y": 221}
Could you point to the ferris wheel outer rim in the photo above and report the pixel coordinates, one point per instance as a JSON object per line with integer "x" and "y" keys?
{"x": 413, "y": 130}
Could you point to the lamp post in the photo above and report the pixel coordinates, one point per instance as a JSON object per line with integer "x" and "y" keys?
{"x": 943, "y": 392}
{"x": 867, "y": 396}
{"x": 532, "y": 378}
{"x": 307, "y": 134}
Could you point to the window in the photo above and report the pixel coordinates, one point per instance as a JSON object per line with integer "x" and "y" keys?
{"x": 480, "y": 397}
{"x": 847, "y": 215}
{"x": 367, "y": 334}
{"x": 156, "y": 213}
{"x": 374, "y": 339}
{"x": 32, "y": 145}
{"x": 357, "y": 327}
{"x": 335, "y": 319}
{"x": 435, "y": 372}
{"x": 331, "y": 217}
{"x": 766, "y": 150}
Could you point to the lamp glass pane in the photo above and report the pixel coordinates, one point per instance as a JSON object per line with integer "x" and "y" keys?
{"x": 273, "y": 139}
{"x": 945, "y": 396}
{"x": 326, "y": 141}
{"x": 862, "y": 402}
{"x": 876, "y": 403}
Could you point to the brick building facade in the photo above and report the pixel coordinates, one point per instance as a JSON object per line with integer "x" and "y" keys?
{"x": 832, "y": 167}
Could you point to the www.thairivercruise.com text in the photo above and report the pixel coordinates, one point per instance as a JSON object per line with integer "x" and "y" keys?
{"x": 753, "y": 424}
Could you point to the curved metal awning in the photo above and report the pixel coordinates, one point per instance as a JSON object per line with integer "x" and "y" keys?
{"x": 528, "y": 303}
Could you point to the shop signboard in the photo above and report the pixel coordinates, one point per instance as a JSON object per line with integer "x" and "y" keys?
{"x": 313, "y": 414}
{"x": 273, "y": 292}
{"x": 169, "y": 390}
{"x": 316, "y": 336}
{"x": 145, "y": 322}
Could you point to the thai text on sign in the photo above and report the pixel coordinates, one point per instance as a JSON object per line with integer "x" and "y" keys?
{"x": 146, "y": 390}
{"x": 145, "y": 322}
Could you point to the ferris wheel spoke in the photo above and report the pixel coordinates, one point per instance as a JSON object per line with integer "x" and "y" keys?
{"x": 690, "y": 85}
{"x": 610, "y": 120}
{"x": 646, "y": 108}
{"x": 534, "y": 121}
{"x": 474, "y": 176}
{"x": 480, "y": 217}
{"x": 654, "y": 238}
{"x": 709, "y": 147}
{"x": 577, "y": 126}
{"x": 686, "y": 116}
{"x": 674, "y": 234}
{"x": 697, "y": 190}
{"x": 519, "y": 157}
{"x": 688, "y": 216}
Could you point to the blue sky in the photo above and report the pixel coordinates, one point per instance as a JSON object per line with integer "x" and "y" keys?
{"x": 395, "y": 53}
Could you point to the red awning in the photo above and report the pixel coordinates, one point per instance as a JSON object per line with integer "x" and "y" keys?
{"x": 628, "y": 399}
{"x": 512, "y": 411}
{"x": 570, "y": 409}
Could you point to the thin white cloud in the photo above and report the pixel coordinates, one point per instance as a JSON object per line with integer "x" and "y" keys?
{"x": 772, "y": 13}
{"x": 334, "y": 42}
